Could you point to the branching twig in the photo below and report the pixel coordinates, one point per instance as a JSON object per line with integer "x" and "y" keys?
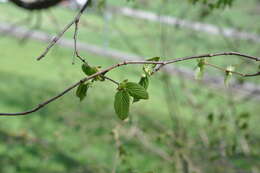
{"x": 209, "y": 56}
{"x": 104, "y": 71}
{"x": 225, "y": 70}
{"x": 55, "y": 39}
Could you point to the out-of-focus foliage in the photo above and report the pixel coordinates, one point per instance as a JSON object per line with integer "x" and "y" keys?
{"x": 200, "y": 129}
{"x": 214, "y": 3}
{"x": 211, "y": 3}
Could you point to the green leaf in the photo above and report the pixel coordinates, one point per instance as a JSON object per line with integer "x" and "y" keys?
{"x": 121, "y": 104}
{"x": 200, "y": 69}
{"x": 153, "y": 59}
{"x": 148, "y": 68}
{"x": 228, "y": 74}
{"x": 88, "y": 70}
{"x": 122, "y": 84}
{"x": 136, "y": 90}
{"x": 199, "y": 72}
{"x": 228, "y": 77}
{"x": 201, "y": 62}
{"x": 230, "y": 68}
{"x": 144, "y": 82}
{"x": 82, "y": 91}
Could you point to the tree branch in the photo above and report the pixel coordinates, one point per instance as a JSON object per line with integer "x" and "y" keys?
{"x": 104, "y": 71}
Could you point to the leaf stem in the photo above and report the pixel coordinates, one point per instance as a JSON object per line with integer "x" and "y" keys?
{"x": 113, "y": 81}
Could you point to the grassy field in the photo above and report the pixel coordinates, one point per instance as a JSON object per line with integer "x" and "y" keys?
{"x": 69, "y": 136}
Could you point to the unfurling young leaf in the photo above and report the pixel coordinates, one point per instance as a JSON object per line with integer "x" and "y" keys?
{"x": 227, "y": 79}
{"x": 144, "y": 82}
{"x": 148, "y": 68}
{"x": 228, "y": 74}
{"x": 121, "y": 104}
{"x": 88, "y": 70}
{"x": 122, "y": 84}
{"x": 136, "y": 90}
{"x": 82, "y": 91}
{"x": 200, "y": 69}
{"x": 199, "y": 72}
{"x": 153, "y": 59}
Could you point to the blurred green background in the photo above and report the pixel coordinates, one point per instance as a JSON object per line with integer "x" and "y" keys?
{"x": 185, "y": 126}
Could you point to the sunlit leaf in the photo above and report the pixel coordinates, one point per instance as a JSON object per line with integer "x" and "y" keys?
{"x": 199, "y": 72}
{"x": 228, "y": 74}
{"x": 148, "y": 68}
{"x": 200, "y": 69}
{"x": 136, "y": 90}
{"x": 88, "y": 70}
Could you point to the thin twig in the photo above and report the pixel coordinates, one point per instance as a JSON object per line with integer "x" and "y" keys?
{"x": 208, "y": 56}
{"x": 234, "y": 72}
{"x": 102, "y": 72}
{"x": 75, "y": 38}
{"x": 225, "y": 70}
{"x": 112, "y": 80}
{"x": 55, "y": 39}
